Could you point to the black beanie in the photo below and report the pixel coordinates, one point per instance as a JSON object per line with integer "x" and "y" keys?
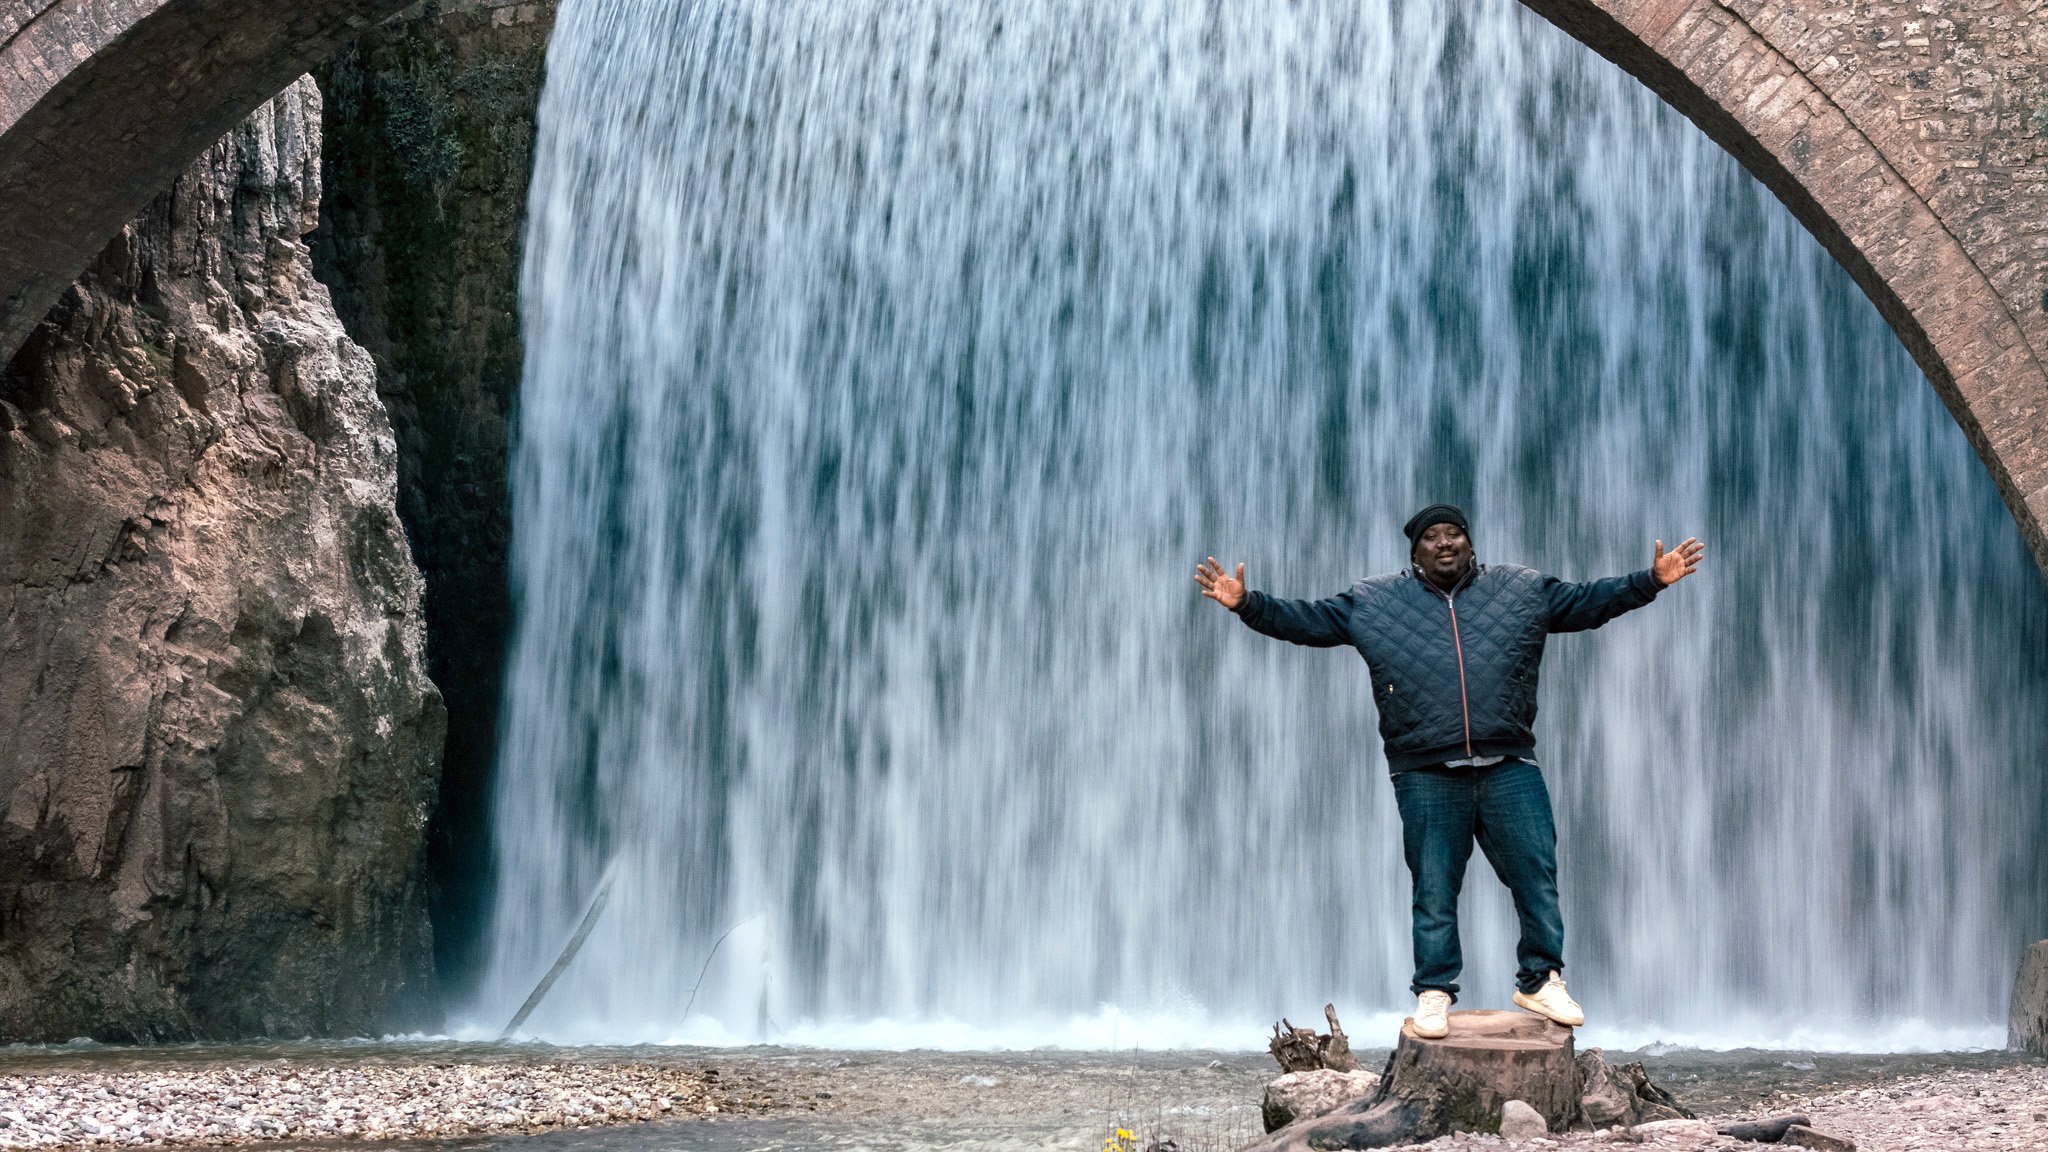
{"x": 1434, "y": 514}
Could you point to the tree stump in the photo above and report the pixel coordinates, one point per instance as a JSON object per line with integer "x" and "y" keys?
{"x": 1458, "y": 1083}
{"x": 1488, "y": 1059}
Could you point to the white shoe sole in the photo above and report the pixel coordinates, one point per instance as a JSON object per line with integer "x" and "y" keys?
{"x": 1529, "y": 1003}
{"x": 1430, "y": 1034}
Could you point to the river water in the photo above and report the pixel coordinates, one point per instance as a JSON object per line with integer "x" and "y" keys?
{"x": 891, "y": 365}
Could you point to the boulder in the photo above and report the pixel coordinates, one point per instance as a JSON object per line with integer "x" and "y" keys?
{"x": 1518, "y": 1121}
{"x": 2027, "y": 1029}
{"x": 218, "y": 742}
{"x": 1304, "y": 1095}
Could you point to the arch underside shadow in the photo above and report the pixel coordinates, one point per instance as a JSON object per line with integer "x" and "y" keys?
{"x": 102, "y": 103}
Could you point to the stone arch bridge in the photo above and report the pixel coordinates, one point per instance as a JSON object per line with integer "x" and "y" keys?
{"x": 1910, "y": 137}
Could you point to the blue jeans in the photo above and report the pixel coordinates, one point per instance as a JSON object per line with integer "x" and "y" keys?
{"x": 1507, "y": 809}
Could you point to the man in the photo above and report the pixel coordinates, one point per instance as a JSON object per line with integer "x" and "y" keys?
{"x": 1453, "y": 648}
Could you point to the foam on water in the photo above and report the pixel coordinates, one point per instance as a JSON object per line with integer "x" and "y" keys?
{"x": 1111, "y": 1029}
{"x": 1106, "y": 1030}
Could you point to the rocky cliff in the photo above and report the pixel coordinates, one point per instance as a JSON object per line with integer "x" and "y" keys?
{"x": 218, "y": 741}
{"x": 429, "y": 133}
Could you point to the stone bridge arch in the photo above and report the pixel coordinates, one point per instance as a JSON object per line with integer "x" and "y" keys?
{"x": 1908, "y": 137}
{"x": 104, "y": 102}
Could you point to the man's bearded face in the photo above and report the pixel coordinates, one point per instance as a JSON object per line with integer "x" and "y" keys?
{"x": 1444, "y": 553}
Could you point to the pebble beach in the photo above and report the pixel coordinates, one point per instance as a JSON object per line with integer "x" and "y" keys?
{"x": 251, "y": 1103}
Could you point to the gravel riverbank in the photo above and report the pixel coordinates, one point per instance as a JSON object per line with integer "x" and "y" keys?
{"x": 241, "y": 1104}
{"x": 2002, "y": 1110}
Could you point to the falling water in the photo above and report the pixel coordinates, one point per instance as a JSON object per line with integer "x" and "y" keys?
{"x": 891, "y": 365}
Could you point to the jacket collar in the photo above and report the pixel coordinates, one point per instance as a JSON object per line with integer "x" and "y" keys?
{"x": 1471, "y": 574}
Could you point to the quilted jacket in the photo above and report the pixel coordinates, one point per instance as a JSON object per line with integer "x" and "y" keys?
{"x": 1453, "y": 674}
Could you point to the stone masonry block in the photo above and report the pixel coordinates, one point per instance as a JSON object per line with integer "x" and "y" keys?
{"x": 2028, "y": 1026}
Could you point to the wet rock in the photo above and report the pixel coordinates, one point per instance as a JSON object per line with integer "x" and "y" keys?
{"x": 218, "y": 743}
{"x": 2027, "y": 1029}
{"x": 1301, "y": 1095}
{"x": 1518, "y": 1121}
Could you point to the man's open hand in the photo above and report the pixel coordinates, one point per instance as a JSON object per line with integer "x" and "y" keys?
{"x": 1219, "y": 586}
{"x": 1671, "y": 567}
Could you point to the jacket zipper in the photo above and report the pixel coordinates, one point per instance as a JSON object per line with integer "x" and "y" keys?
{"x": 1459, "y": 644}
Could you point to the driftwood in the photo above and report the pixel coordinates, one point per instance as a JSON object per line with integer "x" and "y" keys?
{"x": 1765, "y": 1131}
{"x": 590, "y": 916}
{"x": 1461, "y": 1082}
{"x": 1303, "y": 1050}
{"x": 1611, "y": 1097}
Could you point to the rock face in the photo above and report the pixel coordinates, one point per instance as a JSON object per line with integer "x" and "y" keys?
{"x": 218, "y": 742}
{"x": 2027, "y": 1029}
{"x": 429, "y": 135}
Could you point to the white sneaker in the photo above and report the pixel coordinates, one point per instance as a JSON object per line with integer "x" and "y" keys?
{"x": 1552, "y": 1001}
{"x": 1433, "y": 1015}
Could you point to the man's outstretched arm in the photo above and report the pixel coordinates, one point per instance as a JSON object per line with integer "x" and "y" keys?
{"x": 1576, "y": 607}
{"x": 1313, "y": 623}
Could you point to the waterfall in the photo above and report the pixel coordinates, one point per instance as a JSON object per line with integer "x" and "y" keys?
{"x": 889, "y": 368}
